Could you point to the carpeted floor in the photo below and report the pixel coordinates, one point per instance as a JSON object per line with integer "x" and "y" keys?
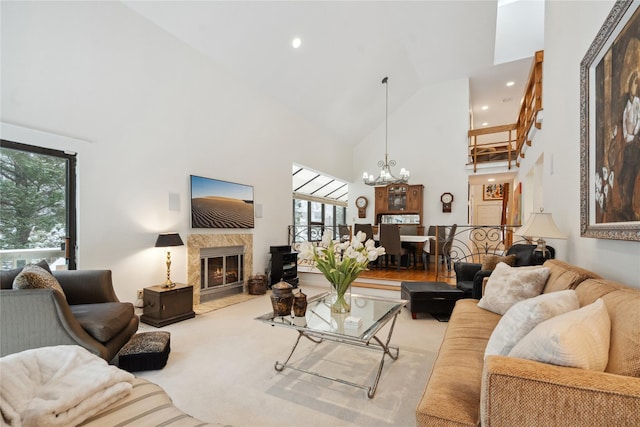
{"x": 221, "y": 369}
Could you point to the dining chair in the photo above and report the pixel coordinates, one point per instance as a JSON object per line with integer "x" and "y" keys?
{"x": 435, "y": 245}
{"x": 344, "y": 232}
{"x": 390, "y": 240}
{"x": 367, "y": 229}
{"x": 411, "y": 248}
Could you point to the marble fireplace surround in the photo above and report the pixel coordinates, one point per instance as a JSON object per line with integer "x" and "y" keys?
{"x": 197, "y": 241}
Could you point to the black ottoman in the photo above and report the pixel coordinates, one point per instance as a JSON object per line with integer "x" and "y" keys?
{"x": 145, "y": 351}
{"x": 435, "y": 298}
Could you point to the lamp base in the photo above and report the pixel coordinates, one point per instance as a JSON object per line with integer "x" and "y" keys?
{"x": 540, "y": 253}
{"x": 169, "y": 284}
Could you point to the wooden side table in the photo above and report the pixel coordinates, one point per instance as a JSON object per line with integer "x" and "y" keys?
{"x": 163, "y": 306}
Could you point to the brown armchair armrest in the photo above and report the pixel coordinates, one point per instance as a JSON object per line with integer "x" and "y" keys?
{"x": 86, "y": 286}
{"x": 32, "y": 318}
{"x": 527, "y": 393}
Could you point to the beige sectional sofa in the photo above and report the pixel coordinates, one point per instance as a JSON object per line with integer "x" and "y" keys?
{"x": 464, "y": 389}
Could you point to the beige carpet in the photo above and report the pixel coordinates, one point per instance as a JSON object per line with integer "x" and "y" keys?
{"x": 221, "y": 369}
{"x": 219, "y": 303}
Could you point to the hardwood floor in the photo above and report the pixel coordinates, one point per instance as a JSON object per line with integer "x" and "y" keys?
{"x": 409, "y": 275}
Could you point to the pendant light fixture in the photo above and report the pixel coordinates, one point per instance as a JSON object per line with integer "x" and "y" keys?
{"x": 386, "y": 177}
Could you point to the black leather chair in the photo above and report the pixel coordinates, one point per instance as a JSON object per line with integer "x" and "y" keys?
{"x": 469, "y": 276}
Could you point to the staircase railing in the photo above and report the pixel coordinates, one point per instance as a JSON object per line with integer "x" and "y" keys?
{"x": 508, "y": 142}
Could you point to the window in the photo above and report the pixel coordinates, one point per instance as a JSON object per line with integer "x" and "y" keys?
{"x": 312, "y": 218}
{"x": 37, "y": 213}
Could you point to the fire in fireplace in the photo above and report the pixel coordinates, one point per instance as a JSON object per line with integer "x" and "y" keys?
{"x": 221, "y": 271}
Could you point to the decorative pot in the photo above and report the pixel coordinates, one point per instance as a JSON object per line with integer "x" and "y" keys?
{"x": 340, "y": 298}
{"x": 299, "y": 304}
{"x": 257, "y": 285}
{"x": 281, "y": 299}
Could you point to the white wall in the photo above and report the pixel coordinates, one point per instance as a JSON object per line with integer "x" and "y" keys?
{"x": 153, "y": 111}
{"x": 570, "y": 28}
{"x": 428, "y": 136}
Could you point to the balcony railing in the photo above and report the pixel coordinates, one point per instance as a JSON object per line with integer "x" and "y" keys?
{"x": 17, "y": 258}
{"x": 507, "y": 143}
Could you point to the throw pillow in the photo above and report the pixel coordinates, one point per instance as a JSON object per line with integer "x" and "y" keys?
{"x": 489, "y": 262}
{"x": 35, "y": 277}
{"x": 578, "y": 339}
{"x": 525, "y": 315}
{"x": 508, "y": 285}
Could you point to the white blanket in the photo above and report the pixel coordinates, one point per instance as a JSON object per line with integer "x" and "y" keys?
{"x": 57, "y": 386}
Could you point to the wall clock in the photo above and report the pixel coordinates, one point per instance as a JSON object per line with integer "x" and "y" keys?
{"x": 361, "y": 204}
{"x": 446, "y": 200}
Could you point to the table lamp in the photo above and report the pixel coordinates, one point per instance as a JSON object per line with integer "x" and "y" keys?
{"x": 541, "y": 225}
{"x": 166, "y": 240}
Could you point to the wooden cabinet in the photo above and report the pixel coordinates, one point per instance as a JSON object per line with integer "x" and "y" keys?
{"x": 399, "y": 199}
{"x": 414, "y": 199}
{"x": 163, "y": 306}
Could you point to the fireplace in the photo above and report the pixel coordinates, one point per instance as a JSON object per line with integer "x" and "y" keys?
{"x": 221, "y": 271}
{"x": 228, "y": 244}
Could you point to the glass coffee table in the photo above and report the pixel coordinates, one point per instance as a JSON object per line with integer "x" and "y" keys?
{"x": 320, "y": 324}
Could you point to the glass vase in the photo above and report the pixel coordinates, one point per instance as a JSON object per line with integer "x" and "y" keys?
{"x": 340, "y": 298}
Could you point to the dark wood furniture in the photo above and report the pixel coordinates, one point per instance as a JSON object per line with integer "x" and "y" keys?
{"x": 284, "y": 266}
{"x": 399, "y": 199}
{"x": 163, "y": 306}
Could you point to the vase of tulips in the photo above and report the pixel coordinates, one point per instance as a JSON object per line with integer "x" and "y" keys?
{"x": 341, "y": 263}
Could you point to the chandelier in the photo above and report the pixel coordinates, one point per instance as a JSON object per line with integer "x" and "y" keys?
{"x": 386, "y": 177}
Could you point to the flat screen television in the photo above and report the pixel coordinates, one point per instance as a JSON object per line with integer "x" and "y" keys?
{"x": 220, "y": 204}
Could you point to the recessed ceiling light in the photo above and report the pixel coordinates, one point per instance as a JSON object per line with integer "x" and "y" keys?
{"x": 491, "y": 179}
{"x": 296, "y": 42}
{"x": 485, "y": 107}
{"x": 510, "y": 83}
{"x": 485, "y": 123}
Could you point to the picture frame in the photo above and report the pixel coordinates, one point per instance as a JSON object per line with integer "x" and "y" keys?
{"x": 220, "y": 204}
{"x": 492, "y": 191}
{"x": 609, "y": 137}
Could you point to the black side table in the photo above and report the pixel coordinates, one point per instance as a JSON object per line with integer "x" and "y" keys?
{"x": 163, "y": 305}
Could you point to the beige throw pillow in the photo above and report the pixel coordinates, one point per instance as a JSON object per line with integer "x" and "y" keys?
{"x": 525, "y": 315}
{"x": 35, "y": 277}
{"x": 508, "y": 285}
{"x": 578, "y": 339}
{"x": 489, "y": 262}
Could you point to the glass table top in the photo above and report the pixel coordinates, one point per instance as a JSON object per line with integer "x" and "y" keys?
{"x": 375, "y": 312}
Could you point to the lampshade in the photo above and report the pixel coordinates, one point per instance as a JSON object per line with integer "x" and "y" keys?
{"x": 541, "y": 224}
{"x": 168, "y": 239}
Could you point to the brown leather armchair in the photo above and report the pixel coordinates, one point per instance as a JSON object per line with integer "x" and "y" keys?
{"x": 89, "y": 314}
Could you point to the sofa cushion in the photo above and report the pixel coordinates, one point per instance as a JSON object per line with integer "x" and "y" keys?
{"x": 35, "y": 277}
{"x": 105, "y": 320}
{"x": 578, "y": 339}
{"x": 8, "y": 276}
{"x": 508, "y": 285}
{"x": 565, "y": 276}
{"x": 622, "y": 304}
{"x": 525, "y": 315}
{"x": 490, "y": 262}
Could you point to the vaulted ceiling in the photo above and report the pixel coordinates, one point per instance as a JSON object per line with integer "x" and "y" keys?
{"x": 334, "y": 78}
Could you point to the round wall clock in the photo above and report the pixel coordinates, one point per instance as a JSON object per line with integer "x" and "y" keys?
{"x": 361, "y": 204}
{"x": 446, "y": 200}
